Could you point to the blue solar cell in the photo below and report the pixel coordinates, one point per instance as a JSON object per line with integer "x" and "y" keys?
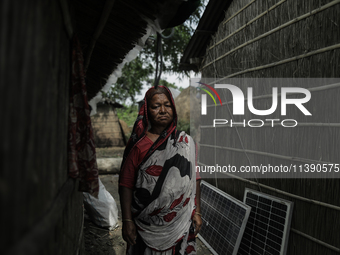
{"x": 268, "y": 225}
{"x": 224, "y": 220}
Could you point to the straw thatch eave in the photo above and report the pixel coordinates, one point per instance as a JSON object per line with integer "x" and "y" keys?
{"x": 109, "y": 30}
{"x": 195, "y": 51}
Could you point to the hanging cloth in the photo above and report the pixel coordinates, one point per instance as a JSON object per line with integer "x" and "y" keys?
{"x": 82, "y": 160}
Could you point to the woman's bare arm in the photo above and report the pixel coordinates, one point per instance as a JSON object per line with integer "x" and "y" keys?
{"x": 129, "y": 228}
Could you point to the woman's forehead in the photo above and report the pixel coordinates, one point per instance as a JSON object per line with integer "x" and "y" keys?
{"x": 159, "y": 90}
{"x": 158, "y": 97}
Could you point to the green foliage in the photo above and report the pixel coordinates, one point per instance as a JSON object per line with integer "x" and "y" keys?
{"x": 166, "y": 83}
{"x": 131, "y": 82}
{"x": 128, "y": 114}
{"x": 142, "y": 69}
{"x": 173, "y": 49}
{"x": 183, "y": 126}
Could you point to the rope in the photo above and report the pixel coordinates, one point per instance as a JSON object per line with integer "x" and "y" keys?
{"x": 159, "y": 64}
{"x": 159, "y": 55}
{"x": 170, "y": 35}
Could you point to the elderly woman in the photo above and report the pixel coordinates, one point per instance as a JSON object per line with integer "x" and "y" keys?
{"x": 159, "y": 189}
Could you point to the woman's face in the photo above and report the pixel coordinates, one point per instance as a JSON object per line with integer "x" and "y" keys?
{"x": 160, "y": 111}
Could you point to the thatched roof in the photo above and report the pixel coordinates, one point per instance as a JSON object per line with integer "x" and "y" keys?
{"x": 195, "y": 51}
{"x": 109, "y": 29}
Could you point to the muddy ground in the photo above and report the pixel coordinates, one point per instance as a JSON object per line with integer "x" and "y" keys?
{"x": 100, "y": 241}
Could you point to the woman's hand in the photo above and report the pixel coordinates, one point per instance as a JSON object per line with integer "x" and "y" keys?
{"x": 197, "y": 223}
{"x": 129, "y": 232}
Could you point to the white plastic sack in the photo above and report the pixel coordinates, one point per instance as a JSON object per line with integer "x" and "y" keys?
{"x": 102, "y": 211}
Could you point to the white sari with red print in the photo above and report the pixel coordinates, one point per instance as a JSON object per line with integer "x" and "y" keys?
{"x": 164, "y": 198}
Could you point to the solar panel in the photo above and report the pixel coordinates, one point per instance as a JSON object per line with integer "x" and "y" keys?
{"x": 224, "y": 220}
{"x": 267, "y": 229}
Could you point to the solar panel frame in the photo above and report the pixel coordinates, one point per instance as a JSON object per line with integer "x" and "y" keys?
{"x": 271, "y": 217}
{"x": 222, "y": 236}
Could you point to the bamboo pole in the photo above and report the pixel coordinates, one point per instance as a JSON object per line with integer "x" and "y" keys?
{"x": 272, "y": 155}
{"x": 322, "y": 8}
{"x": 315, "y": 89}
{"x": 239, "y": 11}
{"x": 322, "y": 50}
{"x": 247, "y": 24}
{"x": 313, "y": 239}
{"x": 81, "y": 234}
{"x": 101, "y": 24}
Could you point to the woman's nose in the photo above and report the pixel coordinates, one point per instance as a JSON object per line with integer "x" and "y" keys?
{"x": 162, "y": 109}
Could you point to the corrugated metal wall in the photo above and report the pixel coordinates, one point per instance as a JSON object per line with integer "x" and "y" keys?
{"x": 263, "y": 39}
{"x": 35, "y": 78}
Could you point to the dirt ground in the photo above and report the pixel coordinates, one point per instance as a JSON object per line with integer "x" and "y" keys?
{"x": 110, "y": 152}
{"x": 99, "y": 241}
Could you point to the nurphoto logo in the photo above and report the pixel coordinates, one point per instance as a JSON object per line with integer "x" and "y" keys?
{"x": 238, "y": 103}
